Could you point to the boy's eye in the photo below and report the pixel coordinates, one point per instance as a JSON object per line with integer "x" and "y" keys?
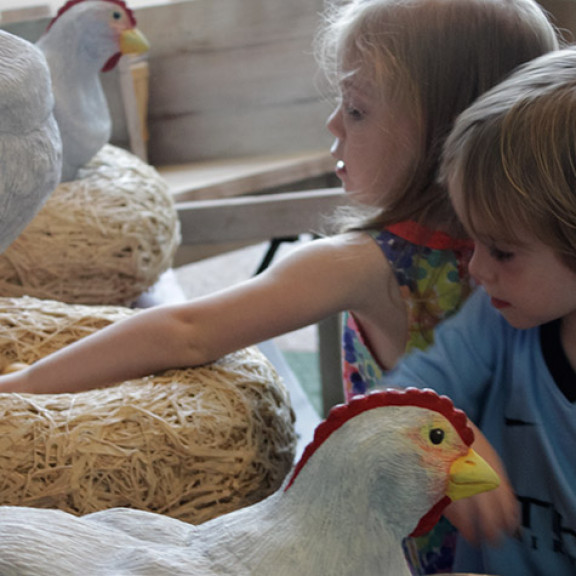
{"x": 501, "y": 255}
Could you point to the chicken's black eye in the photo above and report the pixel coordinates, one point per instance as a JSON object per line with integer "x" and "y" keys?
{"x": 116, "y": 15}
{"x": 436, "y": 436}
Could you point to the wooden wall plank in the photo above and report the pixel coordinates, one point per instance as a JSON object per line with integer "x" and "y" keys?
{"x": 226, "y": 178}
{"x": 256, "y": 218}
{"x": 233, "y": 78}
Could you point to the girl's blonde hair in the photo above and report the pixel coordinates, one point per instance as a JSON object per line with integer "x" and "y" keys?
{"x": 512, "y": 157}
{"x": 438, "y": 56}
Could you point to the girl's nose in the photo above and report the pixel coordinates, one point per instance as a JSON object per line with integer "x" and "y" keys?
{"x": 334, "y": 122}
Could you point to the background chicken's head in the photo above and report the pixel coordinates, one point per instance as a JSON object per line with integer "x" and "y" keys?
{"x": 108, "y": 29}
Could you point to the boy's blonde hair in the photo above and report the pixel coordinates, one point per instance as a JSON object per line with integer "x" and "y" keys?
{"x": 438, "y": 56}
{"x": 512, "y": 157}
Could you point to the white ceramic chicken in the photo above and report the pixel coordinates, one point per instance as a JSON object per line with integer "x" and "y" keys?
{"x": 85, "y": 38}
{"x": 30, "y": 146}
{"x": 379, "y": 469}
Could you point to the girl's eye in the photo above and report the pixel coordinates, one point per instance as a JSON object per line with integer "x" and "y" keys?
{"x": 351, "y": 108}
{"x": 501, "y": 255}
{"x": 354, "y": 113}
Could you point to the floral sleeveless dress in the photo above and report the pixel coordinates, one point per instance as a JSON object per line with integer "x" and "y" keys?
{"x": 431, "y": 270}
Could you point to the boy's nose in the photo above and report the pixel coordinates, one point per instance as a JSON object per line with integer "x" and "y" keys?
{"x": 479, "y": 265}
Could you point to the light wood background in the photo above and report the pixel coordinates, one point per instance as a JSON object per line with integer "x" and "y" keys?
{"x": 228, "y": 78}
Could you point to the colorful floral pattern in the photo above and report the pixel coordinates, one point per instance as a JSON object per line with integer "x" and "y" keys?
{"x": 431, "y": 269}
{"x": 434, "y": 552}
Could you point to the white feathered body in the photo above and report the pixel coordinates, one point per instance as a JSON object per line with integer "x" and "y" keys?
{"x": 77, "y": 46}
{"x": 345, "y": 513}
{"x": 30, "y": 145}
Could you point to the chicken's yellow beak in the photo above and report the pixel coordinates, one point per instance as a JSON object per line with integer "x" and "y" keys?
{"x": 132, "y": 41}
{"x": 470, "y": 475}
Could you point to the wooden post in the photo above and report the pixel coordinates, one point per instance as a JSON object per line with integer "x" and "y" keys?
{"x": 134, "y": 87}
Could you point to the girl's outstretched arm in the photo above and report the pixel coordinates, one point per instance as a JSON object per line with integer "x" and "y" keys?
{"x": 310, "y": 284}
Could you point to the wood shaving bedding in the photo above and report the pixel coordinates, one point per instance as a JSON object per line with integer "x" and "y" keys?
{"x": 192, "y": 443}
{"x": 104, "y": 238}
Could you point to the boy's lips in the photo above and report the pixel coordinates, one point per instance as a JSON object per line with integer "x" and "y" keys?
{"x": 499, "y": 304}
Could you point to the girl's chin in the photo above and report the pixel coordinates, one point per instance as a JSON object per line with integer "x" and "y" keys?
{"x": 363, "y": 198}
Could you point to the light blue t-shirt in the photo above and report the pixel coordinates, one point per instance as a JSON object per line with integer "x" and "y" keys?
{"x": 498, "y": 376}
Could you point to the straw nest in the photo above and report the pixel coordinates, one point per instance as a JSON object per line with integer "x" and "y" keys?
{"x": 192, "y": 444}
{"x": 104, "y": 238}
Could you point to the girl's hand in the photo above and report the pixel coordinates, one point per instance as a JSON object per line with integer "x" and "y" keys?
{"x": 490, "y": 515}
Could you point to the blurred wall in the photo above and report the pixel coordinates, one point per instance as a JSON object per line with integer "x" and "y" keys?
{"x": 228, "y": 78}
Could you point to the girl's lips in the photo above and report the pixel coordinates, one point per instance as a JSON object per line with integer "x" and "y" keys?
{"x": 340, "y": 169}
{"x": 499, "y": 304}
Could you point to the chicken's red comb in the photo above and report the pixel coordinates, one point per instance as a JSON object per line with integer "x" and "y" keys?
{"x": 71, "y": 3}
{"x": 421, "y": 398}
